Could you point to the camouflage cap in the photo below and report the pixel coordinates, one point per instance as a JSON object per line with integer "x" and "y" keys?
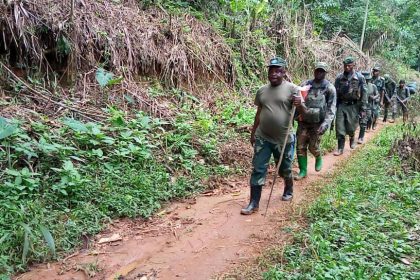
{"x": 349, "y": 60}
{"x": 367, "y": 75}
{"x": 386, "y": 76}
{"x": 322, "y": 65}
{"x": 277, "y": 62}
{"x": 402, "y": 82}
{"x": 376, "y": 68}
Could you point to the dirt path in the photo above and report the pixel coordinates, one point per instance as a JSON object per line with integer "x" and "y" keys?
{"x": 196, "y": 239}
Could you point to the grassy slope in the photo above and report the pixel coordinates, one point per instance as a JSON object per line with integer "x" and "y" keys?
{"x": 365, "y": 225}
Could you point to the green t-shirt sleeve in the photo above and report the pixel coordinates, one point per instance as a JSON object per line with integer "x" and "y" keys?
{"x": 257, "y": 100}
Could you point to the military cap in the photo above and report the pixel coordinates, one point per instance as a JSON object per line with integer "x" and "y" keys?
{"x": 277, "y": 62}
{"x": 367, "y": 75}
{"x": 376, "y": 68}
{"x": 402, "y": 82}
{"x": 322, "y": 65}
{"x": 386, "y": 76}
{"x": 349, "y": 60}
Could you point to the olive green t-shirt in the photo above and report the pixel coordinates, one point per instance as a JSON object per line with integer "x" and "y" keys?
{"x": 276, "y": 107}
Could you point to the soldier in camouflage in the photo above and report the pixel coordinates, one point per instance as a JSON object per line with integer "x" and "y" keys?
{"x": 315, "y": 119}
{"x": 401, "y": 97}
{"x": 373, "y": 97}
{"x": 351, "y": 103}
{"x": 386, "y": 99}
{"x": 379, "y": 82}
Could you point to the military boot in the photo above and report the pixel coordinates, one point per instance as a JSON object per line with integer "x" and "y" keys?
{"x": 254, "y": 201}
{"x": 340, "y": 149}
{"x": 374, "y": 124}
{"x": 288, "y": 189}
{"x": 361, "y": 135}
{"x": 318, "y": 163}
{"x": 352, "y": 142}
{"x": 303, "y": 167}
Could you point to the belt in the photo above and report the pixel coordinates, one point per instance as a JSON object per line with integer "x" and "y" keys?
{"x": 348, "y": 102}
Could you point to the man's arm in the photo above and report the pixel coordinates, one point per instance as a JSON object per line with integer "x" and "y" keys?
{"x": 256, "y": 123}
{"x": 331, "y": 99}
{"x": 364, "y": 97}
{"x": 407, "y": 95}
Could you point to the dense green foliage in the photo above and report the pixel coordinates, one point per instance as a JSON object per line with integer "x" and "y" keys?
{"x": 365, "y": 224}
{"x": 244, "y": 21}
{"x": 399, "y": 19}
{"x": 64, "y": 179}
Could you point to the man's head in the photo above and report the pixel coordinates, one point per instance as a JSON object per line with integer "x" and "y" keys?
{"x": 349, "y": 63}
{"x": 367, "y": 76}
{"x": 375, "y": 71}
{"x": 386, "y": 77}
{"x": 276, "y": 71}
{"x": 402, "y": 83}
{"x": 321, "y": 69}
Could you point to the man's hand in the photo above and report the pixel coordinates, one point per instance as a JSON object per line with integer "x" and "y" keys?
{"x": 362, "y": 114}
{"x": 322, "y": 129}
{"x": 252, "y": 139}
{"x": 297, "y": 100}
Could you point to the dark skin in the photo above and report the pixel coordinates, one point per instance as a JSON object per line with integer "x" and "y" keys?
{"x": 276, "y": 76}
{"x": 348, "y": 68}
{"x": 402, "y": 85}
{"x": 375, "y": 73}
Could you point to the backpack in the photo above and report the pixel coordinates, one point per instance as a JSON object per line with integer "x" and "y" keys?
{"x": 316, "y": 103}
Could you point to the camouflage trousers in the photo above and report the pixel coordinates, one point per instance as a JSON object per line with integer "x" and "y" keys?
{"x": 398, "y": 107}
{"x": 308, "y": 137}
{"x": 263, "y": 150}
{"x": 368, "y": 118}
{"x": 346, "y": 120}
{"x": 387, "y": 106}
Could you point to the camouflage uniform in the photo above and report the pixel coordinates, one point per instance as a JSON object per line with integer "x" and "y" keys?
{"x": 379, "y": 82}
{"x": 321, "y": 96}
{"x": 351, "y": 101}
{"x": 401, "y": 97}
{"x": 387, "y": 95}
{"x": 373, "y": 98}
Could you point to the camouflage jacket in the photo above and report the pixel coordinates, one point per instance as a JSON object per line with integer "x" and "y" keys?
{"x": 351, "y": 88}
{"x": 403, "y": 94}
{"x": 373, "y": 94}
{"x": 379, "y": 82}
{"x": 389, "y": 89}
{"x": 321, "y": 100}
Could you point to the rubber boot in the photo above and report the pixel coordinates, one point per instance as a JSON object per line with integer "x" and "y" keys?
{"x": 352, "y": 142}
{"x": 288, "y": 189}
{"x": 254, "y": 202}
{"x": 340, "y": 148}
{"x": 318, "y": 163}
{"x": 361, "y": 135}
{"x": 303, "y": 167}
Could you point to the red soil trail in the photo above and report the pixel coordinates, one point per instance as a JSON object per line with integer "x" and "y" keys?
{"x": 196, "y": 239}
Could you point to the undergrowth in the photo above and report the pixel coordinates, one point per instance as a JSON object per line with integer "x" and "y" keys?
{"x": 365, "y": 224}
{"x": 64, "y": 179}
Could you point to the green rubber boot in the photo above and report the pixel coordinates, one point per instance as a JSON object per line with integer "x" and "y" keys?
{"x": 303, "y": 167}
{"x": 318, "y": 163}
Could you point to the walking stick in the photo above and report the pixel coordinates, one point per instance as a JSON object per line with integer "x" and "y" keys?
{"x": 281, "y": 157}
{"x": 292, "y": 114}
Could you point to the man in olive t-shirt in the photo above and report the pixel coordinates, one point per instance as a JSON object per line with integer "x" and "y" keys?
{"x": 274, "y": 102}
